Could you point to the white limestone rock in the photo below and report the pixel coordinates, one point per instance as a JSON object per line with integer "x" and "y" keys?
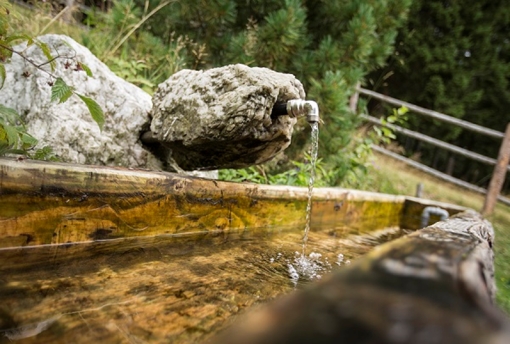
{"x": 68, "y": 127}
{"x": 221, "y": 117}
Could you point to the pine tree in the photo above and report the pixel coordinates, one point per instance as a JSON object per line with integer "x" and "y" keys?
{"x": 329, "y": 45}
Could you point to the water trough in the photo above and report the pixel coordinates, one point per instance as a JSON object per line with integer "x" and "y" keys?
{"x": 91, "y": 253}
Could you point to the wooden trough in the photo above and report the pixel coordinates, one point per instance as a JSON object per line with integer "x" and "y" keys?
{"x": 92, "y": 253}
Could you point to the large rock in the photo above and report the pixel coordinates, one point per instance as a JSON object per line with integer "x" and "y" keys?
{"x": 68, "y": 127}
{"x": 222, "y": 117}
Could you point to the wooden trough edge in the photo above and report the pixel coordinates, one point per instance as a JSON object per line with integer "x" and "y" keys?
{"x": 435, "y": 285}
{"x": 54, "y": 203}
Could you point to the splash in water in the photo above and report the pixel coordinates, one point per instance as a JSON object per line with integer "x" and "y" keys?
{"x": 307, "y": 267}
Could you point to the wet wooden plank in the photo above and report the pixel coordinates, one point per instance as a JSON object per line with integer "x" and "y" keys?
{"x": 433, "y": 286}
{"x": 55, "y": 203}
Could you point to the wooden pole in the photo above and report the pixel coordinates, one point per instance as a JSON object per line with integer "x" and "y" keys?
{"x": 68, "y": 15}
{"x": 499, "y": 174}
{"x": 353, "y": 101}
{"x": 435, "y": 173}
{"x": 419, "y": 190}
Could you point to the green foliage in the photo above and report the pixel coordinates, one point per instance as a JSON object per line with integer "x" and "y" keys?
{"x": 454, "y": 59}
{"x": 62, "y": 92}
{"x": 299, "y": 175}
{"x": 95, "y": 110}
{"x": 275, "y": 43}
{"x": 118, "y": 39}
{"x": 45, "y": 153}
{"x": 85, "y": 68}
{"x": 385, "y": 134}
{"x": 132, "y": 71}
{"x": 45, "y": 48}
{"x": 14, "y": 138}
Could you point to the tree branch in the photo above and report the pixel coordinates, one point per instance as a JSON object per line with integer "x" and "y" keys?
{"x": 38, "y": 66}
{"x": 27, "y": 59}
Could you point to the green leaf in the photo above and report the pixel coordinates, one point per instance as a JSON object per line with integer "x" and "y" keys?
{"x": 22, "y": 36}
{"x": 61, "y": 91}
{"x": 95, "y": 110}
{"x": 2, "y": 75}
{"x": 16, "y": 151}
{"x": 64, "y": 42}
{"x": 402, "y": 110}
{"x": 85, "y": 68}
{"x": 45, "y": 153}
{"x": 4, "y": 148}
{"x": 28, "y": 140}
{"x": 388, "y": 133}
{"x": 45, "y": 48}
{"x": 9, "y": 114}
{"x": 12, "y": 135}
{"x": 5, "y": 54}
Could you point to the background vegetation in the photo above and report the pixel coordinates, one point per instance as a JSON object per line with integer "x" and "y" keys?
{"x": 329, "y": 46}
{"x": 453, "y": 57}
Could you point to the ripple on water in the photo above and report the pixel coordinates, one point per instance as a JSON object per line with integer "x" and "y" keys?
{"x": 165, "y": 289}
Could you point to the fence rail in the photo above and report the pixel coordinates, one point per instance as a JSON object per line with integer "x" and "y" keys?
{"x": 434, "y": 114}
{"x": 437, "y": 174}
{"x": 435, "y": 142}
{"x": 492, "y": 194}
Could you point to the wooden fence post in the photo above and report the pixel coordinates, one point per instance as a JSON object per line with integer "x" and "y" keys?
{"x": 68, "y": 11}
{"x": 499, "y": 174}
{"x": 353, "y": 101}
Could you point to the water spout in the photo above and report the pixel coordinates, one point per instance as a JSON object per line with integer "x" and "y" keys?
{"x": 425, "y": 215}
{"x": 297, "y": 107}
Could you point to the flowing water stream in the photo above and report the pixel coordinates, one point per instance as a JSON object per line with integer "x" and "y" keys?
{"x": 313, "y": 161}
{"x": 312, "y": 266}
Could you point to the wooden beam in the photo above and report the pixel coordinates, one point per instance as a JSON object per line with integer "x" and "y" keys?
{"x": 499, "y": 175}
{"x": 435, "y": 285}
{"x": 434, "y": 114}
{"x": 435, "y": 142}
{"x": 436, "y": 173}
{"x": 56, "y": 203}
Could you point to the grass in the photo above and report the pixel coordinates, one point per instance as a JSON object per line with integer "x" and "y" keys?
{"x": 394, "y": 177}
{"x": 41, "y": 22}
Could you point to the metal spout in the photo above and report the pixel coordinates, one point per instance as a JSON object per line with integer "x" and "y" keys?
{"x": 299, "y": 107}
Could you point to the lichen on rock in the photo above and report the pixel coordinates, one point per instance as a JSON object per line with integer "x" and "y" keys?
{"x": 221, "y": 117}
{"x": 198, "y": 120}
{"x": 68, "y": 127}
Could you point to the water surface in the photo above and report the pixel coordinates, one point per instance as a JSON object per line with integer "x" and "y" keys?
{"x": 166, "y": 289}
